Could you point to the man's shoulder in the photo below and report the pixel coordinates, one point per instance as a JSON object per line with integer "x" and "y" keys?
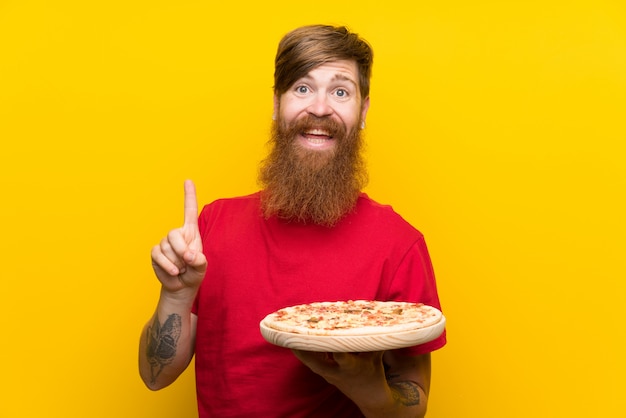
{"x": 383, "y": 215}
{"x": 237, "y": 200}
{"x": 368, "y": 202}
{"x": 368, "y": 205}
{"x": 233, "y": 205}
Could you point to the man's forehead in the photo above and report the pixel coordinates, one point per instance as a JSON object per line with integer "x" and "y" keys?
{"x": 343, "y": 70}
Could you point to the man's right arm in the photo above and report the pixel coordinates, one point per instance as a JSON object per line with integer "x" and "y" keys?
{"x": 167, "y": 340}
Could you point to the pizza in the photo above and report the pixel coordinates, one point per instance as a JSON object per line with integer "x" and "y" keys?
{"x": 353, "y": 318}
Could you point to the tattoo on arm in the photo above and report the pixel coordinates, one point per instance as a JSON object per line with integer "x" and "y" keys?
{"x": 162, "y": 343}
{"x": 406, "y": 393}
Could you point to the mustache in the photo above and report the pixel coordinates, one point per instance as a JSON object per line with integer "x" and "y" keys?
{"x": 310, "y": 122}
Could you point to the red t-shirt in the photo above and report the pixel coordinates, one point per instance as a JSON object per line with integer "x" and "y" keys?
{"x": 257, "y": 265}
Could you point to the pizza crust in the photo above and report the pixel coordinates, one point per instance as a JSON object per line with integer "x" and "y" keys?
{"x": 353, "y": 318}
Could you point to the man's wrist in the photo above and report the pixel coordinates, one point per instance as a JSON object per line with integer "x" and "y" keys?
{"x": 180, "y": 299}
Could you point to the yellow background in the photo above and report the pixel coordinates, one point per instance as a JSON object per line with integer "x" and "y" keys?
{"x": 496, "y": 127}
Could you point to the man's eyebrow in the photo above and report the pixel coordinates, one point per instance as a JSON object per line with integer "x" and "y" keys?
{"x": 336, "y": 77}
{"x": 344, "y": 77}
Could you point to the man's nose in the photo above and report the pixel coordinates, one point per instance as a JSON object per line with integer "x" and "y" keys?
{"x": 320, "y": 106}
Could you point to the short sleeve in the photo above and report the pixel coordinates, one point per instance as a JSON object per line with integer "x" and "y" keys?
{"x": 414, "y": 281}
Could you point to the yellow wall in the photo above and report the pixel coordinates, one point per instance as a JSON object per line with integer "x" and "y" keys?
{"x": 496, "y": 127}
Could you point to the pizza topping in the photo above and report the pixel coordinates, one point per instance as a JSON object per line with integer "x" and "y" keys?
{"x": 349, "y": 317}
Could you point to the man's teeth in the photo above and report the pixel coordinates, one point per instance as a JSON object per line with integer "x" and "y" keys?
{"x": 316, "y": 140}
{"x": 318, "y": 132}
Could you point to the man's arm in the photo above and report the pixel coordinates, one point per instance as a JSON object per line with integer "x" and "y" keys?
{"x": 167, "y": 345}
{"x": 409, "y": 380}
{"x": 381, "y": 384}
{"x": 167, "y": 340}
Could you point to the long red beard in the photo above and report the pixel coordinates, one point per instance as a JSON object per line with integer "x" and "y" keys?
{"x": 311, "y": 186}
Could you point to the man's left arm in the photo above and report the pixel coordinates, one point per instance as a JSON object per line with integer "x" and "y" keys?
{"x": 382, "y": 384}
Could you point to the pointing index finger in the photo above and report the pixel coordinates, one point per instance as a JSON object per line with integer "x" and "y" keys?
{"x": 191, "y": 204}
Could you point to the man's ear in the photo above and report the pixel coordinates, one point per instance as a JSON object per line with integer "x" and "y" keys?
{"x": 364, "y": 108}
{"x": 276, "y": 106}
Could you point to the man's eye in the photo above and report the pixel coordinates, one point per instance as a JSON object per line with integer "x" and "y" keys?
{"x": 341, "y": 93}
{"x": 302, "y": 89}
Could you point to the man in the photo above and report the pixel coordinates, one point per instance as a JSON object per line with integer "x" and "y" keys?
{"x": 309, "y": 235}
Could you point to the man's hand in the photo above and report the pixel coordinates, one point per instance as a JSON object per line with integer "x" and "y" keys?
{"x": 358, "y": 375}
{"x": 381, "y": 384}
{"x": 178, "y": 260}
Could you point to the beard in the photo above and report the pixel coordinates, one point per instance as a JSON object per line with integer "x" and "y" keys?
{"x": 312, "y": 186}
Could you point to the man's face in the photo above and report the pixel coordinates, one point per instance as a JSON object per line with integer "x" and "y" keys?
{"x": 315, "y": 171}
{"x": 329, "y": 92}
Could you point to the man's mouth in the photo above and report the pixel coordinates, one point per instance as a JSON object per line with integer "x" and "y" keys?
{"x": 317, "y": 136}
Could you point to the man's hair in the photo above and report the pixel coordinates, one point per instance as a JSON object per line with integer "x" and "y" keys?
{"x": 308, "y": 47}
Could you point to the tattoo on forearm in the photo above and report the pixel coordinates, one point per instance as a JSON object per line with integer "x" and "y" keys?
{"x": 406, "y": 393}
{"x": 162, "y": 343}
